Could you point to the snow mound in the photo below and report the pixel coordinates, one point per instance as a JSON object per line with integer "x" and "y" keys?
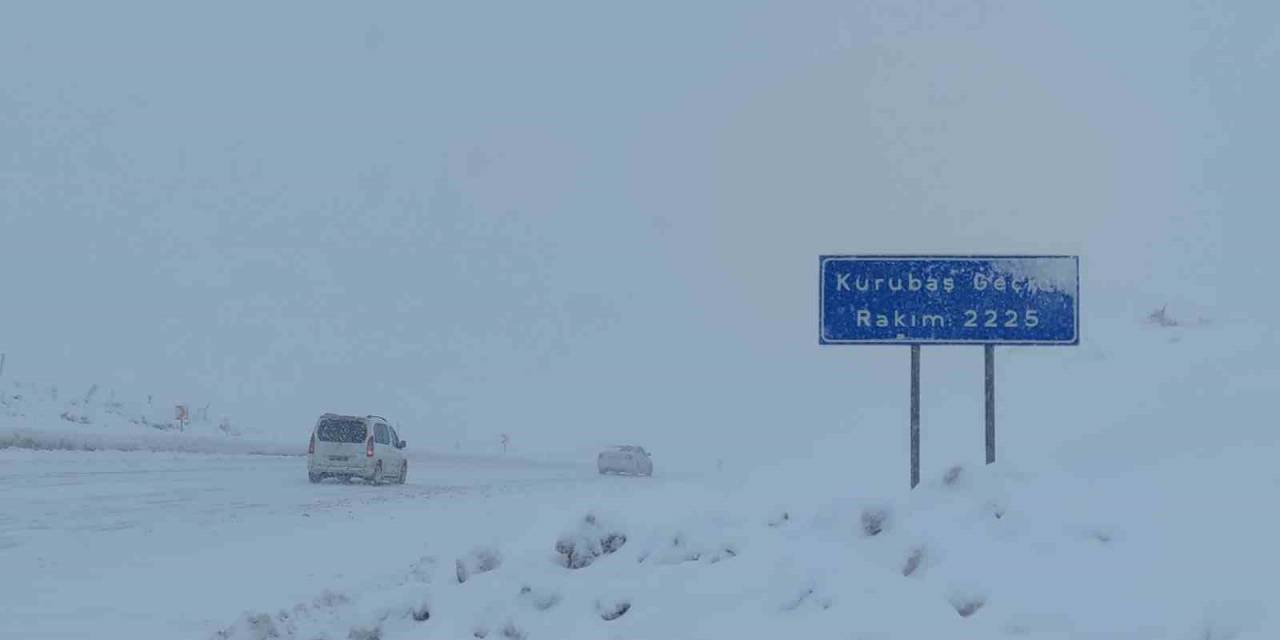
{"x": 976, "y": 552}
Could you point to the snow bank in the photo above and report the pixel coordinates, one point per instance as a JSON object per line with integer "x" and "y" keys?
{"x": 69, "y": 440}
{"x": 38, "y": 416}
{"x": 986, "y": 552}
{"x": 1132, "y": 506}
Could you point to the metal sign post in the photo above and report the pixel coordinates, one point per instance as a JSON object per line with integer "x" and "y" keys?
{"x": 989, "y": 355}
{"x": 951, "y": 300}
{"x": 915, "y": 415}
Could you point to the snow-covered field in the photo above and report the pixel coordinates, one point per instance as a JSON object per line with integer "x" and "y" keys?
{"x": 39, "y": 416}
{"x": 1139, "y": 509}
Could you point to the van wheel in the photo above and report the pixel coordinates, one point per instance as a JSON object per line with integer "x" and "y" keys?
{"x": 404, "y": 472}
{"x": 314, "y": 477}
{"x": 377, "y": 474}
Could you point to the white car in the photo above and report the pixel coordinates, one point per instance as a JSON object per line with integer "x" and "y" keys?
{"x": 628, "y": 459}
{"x": 354, "y": 447}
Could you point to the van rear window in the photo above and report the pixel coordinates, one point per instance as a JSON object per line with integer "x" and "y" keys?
{"x": 341, "y": 430}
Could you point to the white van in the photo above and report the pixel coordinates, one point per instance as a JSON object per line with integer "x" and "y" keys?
{"x": 354, "y": 447}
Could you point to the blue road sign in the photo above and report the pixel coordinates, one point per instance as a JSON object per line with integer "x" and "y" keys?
{"x": 1029, "y": 300}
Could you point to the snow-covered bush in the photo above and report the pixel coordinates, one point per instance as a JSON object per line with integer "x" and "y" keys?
{"x": 874, "y": 520}
{"x": 539, "y": 599}
{"x": 580, "y": 548}
{"x": 967, "y": 602}
{"x": 611, "y": 610}
{"x": 1161, "y": 318}
{"x": 480, "y": 560}
{"x": 678, "y": 548}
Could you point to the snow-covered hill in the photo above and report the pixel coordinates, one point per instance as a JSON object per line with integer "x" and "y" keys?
{"x": 1138, "y": 510}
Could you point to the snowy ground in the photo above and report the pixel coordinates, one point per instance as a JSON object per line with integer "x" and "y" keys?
{"x": 1138, "y": 505}
{"x": 163, "y": 545}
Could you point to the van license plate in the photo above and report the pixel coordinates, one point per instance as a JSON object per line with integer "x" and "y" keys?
{"x": 340, "y": 458}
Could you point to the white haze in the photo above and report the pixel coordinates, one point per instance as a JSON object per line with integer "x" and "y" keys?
{"x": 581, "y": 223}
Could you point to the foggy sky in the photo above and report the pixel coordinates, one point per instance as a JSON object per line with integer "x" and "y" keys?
{"x": 583, "y": 223}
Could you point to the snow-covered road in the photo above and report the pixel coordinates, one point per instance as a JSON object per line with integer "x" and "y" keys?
{"x": 160, "y": 545}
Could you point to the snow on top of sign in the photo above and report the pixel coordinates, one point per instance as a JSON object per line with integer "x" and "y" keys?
{"x": 1057, "y": 275}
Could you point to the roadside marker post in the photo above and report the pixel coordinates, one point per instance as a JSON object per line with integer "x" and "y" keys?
{"x": 983, "y": 300}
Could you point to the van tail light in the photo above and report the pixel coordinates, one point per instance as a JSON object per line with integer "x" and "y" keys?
{"x": 311, "y": 448}
{"x": 368, "y": 448}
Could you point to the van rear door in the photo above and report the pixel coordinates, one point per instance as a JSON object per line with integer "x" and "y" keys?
{"x": 340, "y": 440}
